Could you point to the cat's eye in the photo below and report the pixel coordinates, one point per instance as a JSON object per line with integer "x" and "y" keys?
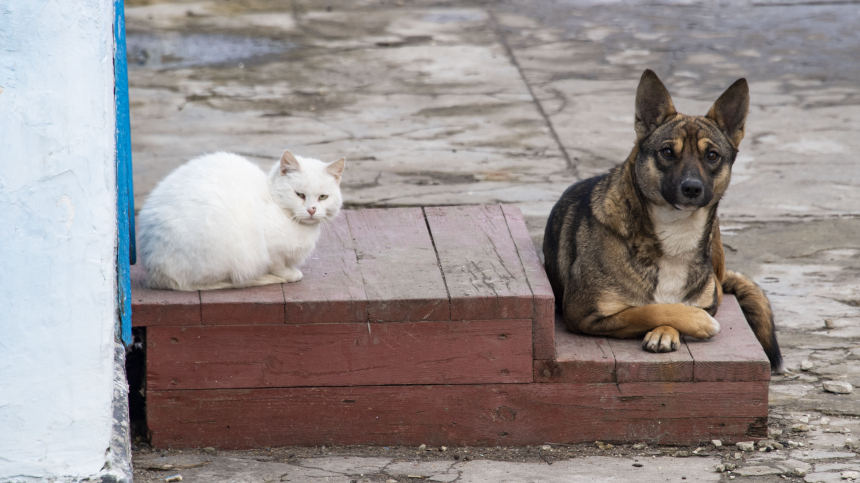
{"x": 712, "y": 156}
{"x": 322, "y": 197}
{"x": 300, "y": 195}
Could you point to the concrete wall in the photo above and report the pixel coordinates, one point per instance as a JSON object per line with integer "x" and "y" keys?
{"x": 57, "y": 237}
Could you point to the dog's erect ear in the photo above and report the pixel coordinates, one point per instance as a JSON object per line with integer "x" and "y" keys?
{"x": 653, "y": 104}
{"x": 289, "y": 163}
{"x": 730, "y": 111}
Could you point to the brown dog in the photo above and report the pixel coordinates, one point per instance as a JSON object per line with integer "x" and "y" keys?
{"x": 637, "y": 251}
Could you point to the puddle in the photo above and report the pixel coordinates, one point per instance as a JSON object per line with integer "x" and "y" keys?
{"x": 175, "y": 50}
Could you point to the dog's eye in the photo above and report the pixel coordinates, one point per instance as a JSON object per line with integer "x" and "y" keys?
{"x": 667, "y": 153}
{"x": 322, "y": 197}
{"x": 712, "y": 156}
{"x": 300, "y": 195}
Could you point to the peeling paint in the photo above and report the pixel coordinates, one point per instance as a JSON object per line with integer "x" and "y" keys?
{"x": 66, "y": 202}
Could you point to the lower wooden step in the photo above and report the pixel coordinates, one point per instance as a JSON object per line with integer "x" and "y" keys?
{"x": 498, "y": 414}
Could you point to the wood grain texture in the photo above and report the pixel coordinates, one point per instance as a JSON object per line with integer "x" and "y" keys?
{"x": 579, "y": 358}
{"x": 732, "y": 355}
{"x": 635, "y": 364}
{"x": 480, "y": 263}
{"x": 243, "y": 306}
{"x": 544, "y": 301}
{"x": 332, "y": 289}
{"x": 447, "y": 352}
{"x": 503, "y": 414}
{"x": 161, "y": 307}
{"x": 402, "y": 279}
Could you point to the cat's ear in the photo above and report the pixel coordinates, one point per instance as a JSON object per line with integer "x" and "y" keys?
{"x": 289, "y": 163}
{"x": 336, "y": 169}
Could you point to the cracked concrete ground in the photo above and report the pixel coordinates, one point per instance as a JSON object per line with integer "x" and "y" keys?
{"x": 457, "y": 102}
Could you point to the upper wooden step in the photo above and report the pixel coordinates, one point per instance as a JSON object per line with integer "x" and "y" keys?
{"x": 387, "y": 265}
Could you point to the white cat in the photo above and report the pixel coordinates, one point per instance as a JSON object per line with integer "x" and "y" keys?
{"x": 219, "y": 221}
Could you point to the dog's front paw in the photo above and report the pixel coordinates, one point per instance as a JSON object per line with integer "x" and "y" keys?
{"x": 662, "y": 339}
{"x": 707, "y": 326}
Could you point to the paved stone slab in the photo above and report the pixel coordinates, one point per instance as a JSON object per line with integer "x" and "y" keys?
{"x": 587, "y": 470}
{"x": 518, "y": 88}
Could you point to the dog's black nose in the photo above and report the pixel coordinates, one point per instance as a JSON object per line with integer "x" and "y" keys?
{"x": 691, "y": 188}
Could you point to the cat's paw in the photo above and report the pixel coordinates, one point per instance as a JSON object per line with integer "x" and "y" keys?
{"x": 290, "y": 274}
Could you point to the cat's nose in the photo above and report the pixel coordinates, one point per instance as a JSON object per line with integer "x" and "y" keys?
{"x": 312, "y": 210}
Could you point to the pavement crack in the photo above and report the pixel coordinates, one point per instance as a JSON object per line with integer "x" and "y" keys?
{"x": 504, "y": 41}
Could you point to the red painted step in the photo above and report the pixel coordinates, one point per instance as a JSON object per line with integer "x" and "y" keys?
{"x": 432, "y": 326}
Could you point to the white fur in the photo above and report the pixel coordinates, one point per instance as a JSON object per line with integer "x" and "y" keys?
{"x": 679, "y": 232}
{"x": 219, "y": 221}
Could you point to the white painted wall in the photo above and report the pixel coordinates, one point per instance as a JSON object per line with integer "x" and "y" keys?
{"x": 57, "y": 236}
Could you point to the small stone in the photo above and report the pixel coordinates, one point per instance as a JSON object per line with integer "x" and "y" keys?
{"x": 602, "y": 445}
{"x": 838, "y": 387}
{"x": 738, "y": 456}
{"x": 799, "y": 472}
{"x": 423, "y": 447}
{"x": 640, "y": 446}
{"x": 806, "y": 365}
{"x": 776, "y": 445}
{"x": 720, "y": 468}
{"x": 764, "y": 443}
{"x": 547, "y": 447}
{"x": 774, "y": 432}
{"x": 824, "y": 421}
{"x": 793, "y": 444}
{"x": 800, "y": 428}
{"x": 828, "y": 323}
{"x": 209, "y": 450}
{"x": 850, "y": 475}
{"x": 716, "y": 442}
{"x": 759, "y": 470}
{"x": 745, "y": 446}
{"x": 443, "y": 448}
{"x": 803, "y": 419}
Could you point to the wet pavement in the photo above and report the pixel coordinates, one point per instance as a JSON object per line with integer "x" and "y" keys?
{"x": 455, "y": 102}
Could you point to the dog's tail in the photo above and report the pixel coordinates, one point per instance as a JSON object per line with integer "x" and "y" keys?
{"x": 756, "y": 309}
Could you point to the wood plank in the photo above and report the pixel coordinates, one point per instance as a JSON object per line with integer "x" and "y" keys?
{"x": 447, "y": 352}
{"x": 732, "y": 355}
{"x": 480, "y": 263}
{"x": 579, "y": 358}
{"x": 332, "y": 289}
{"x": 503, "y": 414}
{"x": 544, "y": 301}
{"x": 402, "y": 279}
{"x": 161, "y": 307}
{"x": 243, "y": 306}
{"x": 635, "y": 364}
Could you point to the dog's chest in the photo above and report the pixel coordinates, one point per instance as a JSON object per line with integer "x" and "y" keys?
{"x": 679, "y": 233}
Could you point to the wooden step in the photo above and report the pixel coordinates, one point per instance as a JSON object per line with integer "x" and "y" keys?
{"x": 733, "y": 355}
{"x": 428, "y": 326}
